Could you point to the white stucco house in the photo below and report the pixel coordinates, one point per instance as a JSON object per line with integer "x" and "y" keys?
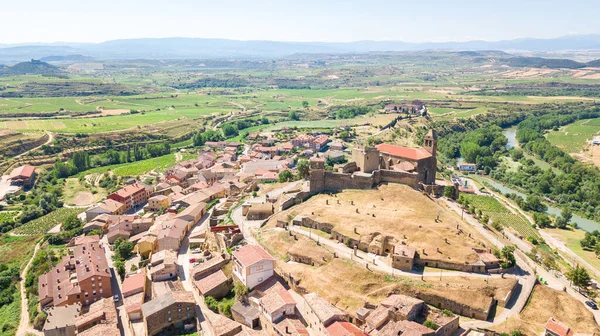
{"x": 252, "y": 265}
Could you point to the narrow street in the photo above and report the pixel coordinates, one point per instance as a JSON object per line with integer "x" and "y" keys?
{"x": 116, "y": 285}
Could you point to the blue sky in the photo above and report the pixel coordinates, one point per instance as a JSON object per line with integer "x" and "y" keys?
{"x": 303, "y": 20}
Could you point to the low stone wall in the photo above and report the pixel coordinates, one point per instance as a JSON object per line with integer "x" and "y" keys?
{"x": 455, "y": 266}
{"x": 410, "y": 179}
{"x": 458, "y": 308}
{"x": 503, "y": 301}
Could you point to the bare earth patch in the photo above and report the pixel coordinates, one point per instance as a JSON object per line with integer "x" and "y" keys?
{"x": 544, "y": 303}
{"x": 83, "y": 198}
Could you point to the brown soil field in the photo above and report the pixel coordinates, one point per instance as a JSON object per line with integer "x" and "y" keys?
{"x": 398, "y": 211}
{"x": 545, "y": 303}
{"x": 83, "y": 198}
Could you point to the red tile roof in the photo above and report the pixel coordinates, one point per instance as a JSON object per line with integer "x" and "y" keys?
{"x": 404, "y": 152}
{"x": 128, "y": 191}
{"x": 251, "y": 254}
{"x": 344, "y": 329}
{"x": 23, "y": 171}
{"x": 133, "y": 283}
{"x": 557, "y": 328}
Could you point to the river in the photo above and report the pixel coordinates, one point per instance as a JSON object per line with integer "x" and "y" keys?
{"x": 582, "y": 223}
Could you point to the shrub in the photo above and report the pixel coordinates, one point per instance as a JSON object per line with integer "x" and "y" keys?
{"x": 429, "y": 324}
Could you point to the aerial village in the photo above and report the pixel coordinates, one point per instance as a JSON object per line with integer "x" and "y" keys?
{"x": 225, "y": 244}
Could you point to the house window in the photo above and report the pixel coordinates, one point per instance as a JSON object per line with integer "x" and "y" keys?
{"x": 94, "y": 292}
{"x": 86, "y": 294}
{"x": 93, "y": 279}
{"x": 259, "y": 267}
{"x": 78, "y": 296}
{"x": 170, "y": 319}
{"x": 260, "y": 279}
{"x": 179, "y": 310}
{"x": 100, "y": 290}
{"x": 187, "y": 308}
{"x": 169, "y": 312}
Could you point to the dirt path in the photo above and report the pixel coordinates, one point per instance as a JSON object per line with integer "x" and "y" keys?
{"x": 49, "y": 141}
{"x": 24, "y": 327}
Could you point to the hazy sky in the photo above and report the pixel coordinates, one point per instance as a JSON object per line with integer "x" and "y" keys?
{"x": 302, "y": 20}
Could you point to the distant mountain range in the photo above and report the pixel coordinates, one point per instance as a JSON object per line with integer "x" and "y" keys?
{"x": 201, "y": 48}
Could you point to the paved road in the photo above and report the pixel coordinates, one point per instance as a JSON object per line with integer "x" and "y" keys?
{"x": 184, "y": 273}
{"x": 24, "y": 326}
{"x": 116, "y": 286}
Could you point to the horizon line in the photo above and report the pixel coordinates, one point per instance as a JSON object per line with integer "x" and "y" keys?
{"x": 66, "y": 43}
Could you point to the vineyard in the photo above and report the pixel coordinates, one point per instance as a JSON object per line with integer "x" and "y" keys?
{"x": 45, "y": 223}
{"x": 498, "y": 213}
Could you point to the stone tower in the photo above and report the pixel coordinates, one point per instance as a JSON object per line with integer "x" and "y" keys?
{"x": 316, "y": 175}
{"x": 430, "y": 142}
{"x": 367, "y": 159}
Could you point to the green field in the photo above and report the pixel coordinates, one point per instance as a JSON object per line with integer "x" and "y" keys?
{"x": 574, "y": 137}
{"x": 498, "y": 213}
{"x": 45, "y": 223}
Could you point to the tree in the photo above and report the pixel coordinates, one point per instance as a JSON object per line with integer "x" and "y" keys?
{"x": 71, "y": 222}
{"x": 305, "y": 104}
{"x": 563, "y": 220}
{"x": 198, "y": 139}
{"x": 303, "y": 170}
{"x": 579, "y": 277}
{"x": 240, "y": 290}
{"x": 230, "y": 130}
{"x": 541, "y": 219}
{"x": 293, "y": 115}
{"x": 286, "y": 176}
{"x": 508, "y": 256}
{"x": 534, "y": 203}
{"x": 123, "y": 249}
{"x": 449, "y": 191}
{"x": 120, "y": 266}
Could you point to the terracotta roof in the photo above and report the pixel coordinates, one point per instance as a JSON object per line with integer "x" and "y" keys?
{"x": 557, "y": 328}
{"x": 404, "y": 152}
{"x": 22, "y": 172}
{"x": 110, "y": 205}
{"x": 251, "y": 254}
{"x": 193, "y": 210}
{"x": 276, "y": 300}
{"x": 130, "y": 190}
{"x": 210, "y": 281}
{"x": 134, "y": 282}
{"x": 168, "y": 299}
{"x": 343, "y": 329}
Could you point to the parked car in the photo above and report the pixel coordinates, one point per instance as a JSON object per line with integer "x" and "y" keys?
{"x": 197, "y": 250}
{"x": 592, "y": 305}
{"x": 116, "y": 297}
{"x": 192, "y": 260}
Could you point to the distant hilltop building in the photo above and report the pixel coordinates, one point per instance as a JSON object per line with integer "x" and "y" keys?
{"x": 369, "y": 167}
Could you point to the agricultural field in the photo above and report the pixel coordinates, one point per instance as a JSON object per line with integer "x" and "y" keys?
{"x": 498, "y": 213}
{"x": 574, "y": 138}
{"x": 571, "y": 238}
{"x": 45, "y": 223}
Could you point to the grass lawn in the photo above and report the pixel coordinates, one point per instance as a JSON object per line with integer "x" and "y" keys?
{"x": 571, "y": 239}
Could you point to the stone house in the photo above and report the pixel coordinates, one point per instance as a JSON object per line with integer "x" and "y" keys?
{"x": 320, "y": 314}
{"x": 61, "y": 320}
{"x": 403, "y": 257}
{"x": 171, "y": 308}
{"x": 215, "y": 284}
{"x": 163, "y": 265}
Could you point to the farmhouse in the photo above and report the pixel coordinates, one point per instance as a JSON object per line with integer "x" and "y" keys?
{"x": 171, "y": 308}
{"x": 22, "y": 176}
{"x": 132, "y": 195}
